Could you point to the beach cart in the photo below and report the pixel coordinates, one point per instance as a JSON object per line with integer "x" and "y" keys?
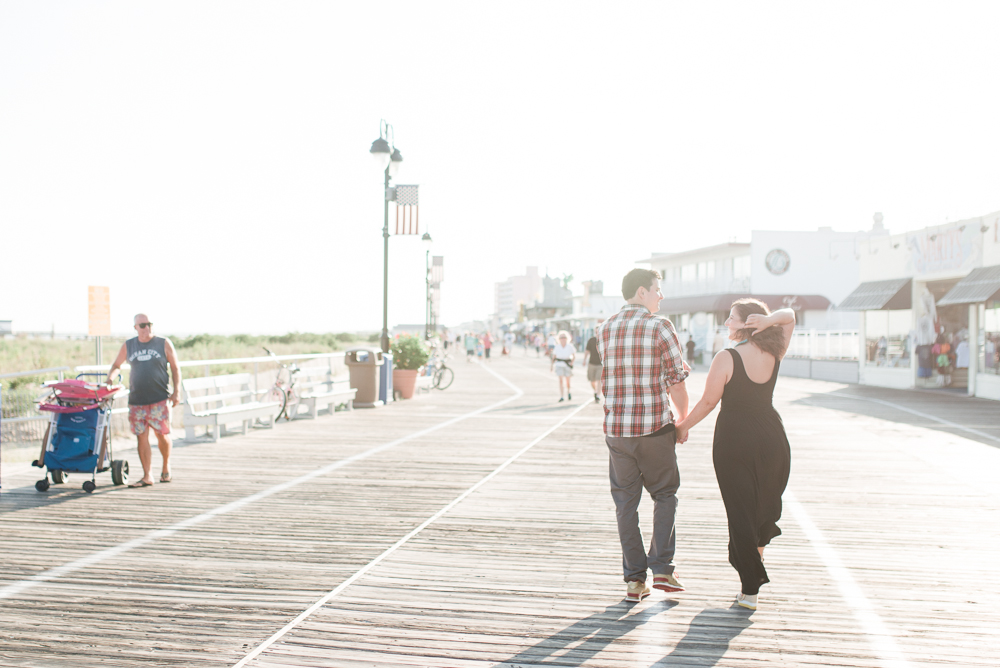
{"x": 78, "y": 438}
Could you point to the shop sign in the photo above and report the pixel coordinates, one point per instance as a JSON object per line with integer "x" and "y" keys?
{"x": 951, "y": 249}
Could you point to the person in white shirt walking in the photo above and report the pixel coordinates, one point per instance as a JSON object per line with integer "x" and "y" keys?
{"x": 563, "y": 354}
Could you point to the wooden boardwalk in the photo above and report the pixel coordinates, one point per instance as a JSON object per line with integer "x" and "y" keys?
{"x": 474, "y": 527}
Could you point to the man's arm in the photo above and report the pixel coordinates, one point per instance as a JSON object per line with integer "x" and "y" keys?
{"x": 175, "y": 371}
{"x": 679, "y": 395}
{"x": 675, "y": 370}
{"x": 117, "y": 363}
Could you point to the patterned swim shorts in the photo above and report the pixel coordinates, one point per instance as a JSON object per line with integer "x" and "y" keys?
{"x": 155, "y": 415}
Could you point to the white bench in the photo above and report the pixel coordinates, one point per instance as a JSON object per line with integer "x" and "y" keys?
{"x": 317, "y": 388}
{"x": 223, "y": 400}
{"x": 424, "y": 383}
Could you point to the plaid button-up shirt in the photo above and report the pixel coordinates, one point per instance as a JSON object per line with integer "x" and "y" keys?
{"x": 642, "y": 358}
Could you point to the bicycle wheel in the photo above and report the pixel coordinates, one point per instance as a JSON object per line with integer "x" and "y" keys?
{"x": 443, "y": 378}
{"x": 292, "y": 404}
{"x": 276, "y": 395}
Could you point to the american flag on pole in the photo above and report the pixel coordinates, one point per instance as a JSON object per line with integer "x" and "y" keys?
{"x": 407, "y": 210}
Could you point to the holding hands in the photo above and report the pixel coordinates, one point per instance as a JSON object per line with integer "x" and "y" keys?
{"x": 681, "y": 432}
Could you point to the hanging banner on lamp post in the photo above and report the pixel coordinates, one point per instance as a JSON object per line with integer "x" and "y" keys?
{"x": 98, "y": 311}
{"x": 407, "y": 209}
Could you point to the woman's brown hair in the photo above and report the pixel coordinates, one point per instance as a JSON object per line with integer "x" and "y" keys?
{"x": 770, "y": 340}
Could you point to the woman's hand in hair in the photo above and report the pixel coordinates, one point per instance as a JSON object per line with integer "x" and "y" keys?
{"x": 758, "y": 322}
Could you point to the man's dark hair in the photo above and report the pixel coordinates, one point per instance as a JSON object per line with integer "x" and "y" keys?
{"x": 638, "y": 278}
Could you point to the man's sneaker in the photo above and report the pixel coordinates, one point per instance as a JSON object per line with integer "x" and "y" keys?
{"x": 667, "y": 583}
{"x": 561, "y": 399}
{"x": 570, "y": 396}
{"x": 747, "y": 601}
{"x": 597, "y": 399}
{"x": 636, "y": 591}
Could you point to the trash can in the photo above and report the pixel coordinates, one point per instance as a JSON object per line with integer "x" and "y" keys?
{"x": 385, "y": 379}
{"x": 364, "y": 365}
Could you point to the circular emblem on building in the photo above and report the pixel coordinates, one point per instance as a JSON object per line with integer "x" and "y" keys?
{"x": 777, "y": 261}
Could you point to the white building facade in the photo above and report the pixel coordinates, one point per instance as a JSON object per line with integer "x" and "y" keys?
{"x": 806, "y": 271}
{"x": 517, "y": 293}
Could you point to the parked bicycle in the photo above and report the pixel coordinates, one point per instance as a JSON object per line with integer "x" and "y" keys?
{"x": 442, "y": 374}
{"x": 283, "y": 391}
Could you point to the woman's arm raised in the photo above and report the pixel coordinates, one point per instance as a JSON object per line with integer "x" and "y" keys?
{"x": 784, "y": 318}
{"x": 718, "y": 375}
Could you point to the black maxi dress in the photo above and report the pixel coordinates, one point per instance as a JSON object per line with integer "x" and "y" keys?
{"x": 752, "y": 459}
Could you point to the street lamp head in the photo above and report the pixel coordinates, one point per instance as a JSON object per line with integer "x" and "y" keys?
{"x": 395, "y": 161}
{"x": 426, "y": 240}
{"x": 380, "y": 151}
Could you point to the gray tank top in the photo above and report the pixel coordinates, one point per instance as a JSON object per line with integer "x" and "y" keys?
{"x": 149, "y": 377}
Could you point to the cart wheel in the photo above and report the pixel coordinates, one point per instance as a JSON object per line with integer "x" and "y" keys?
{"x": 59, "y": 476}
{"x": 119, "y": 471}
{"x": 42, "y": 485}
{"x": 89, "y": 486}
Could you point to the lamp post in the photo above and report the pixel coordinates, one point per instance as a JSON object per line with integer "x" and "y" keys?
{"x": 426, "y": 240}
{"x": 388, "y": 158}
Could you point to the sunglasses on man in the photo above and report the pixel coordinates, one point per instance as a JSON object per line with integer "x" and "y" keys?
{"x": 144, "y": 325}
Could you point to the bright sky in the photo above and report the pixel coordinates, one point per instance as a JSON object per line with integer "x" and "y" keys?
{"x": 209, "y": 160}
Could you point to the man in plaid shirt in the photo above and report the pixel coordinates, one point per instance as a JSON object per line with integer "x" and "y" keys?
{"x": 643, "y": 369}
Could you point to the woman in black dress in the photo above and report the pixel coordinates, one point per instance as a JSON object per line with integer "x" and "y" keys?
{"x": 750, "y": 450}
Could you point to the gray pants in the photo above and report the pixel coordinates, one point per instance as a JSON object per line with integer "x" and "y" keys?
{"x": 650, "y": 462}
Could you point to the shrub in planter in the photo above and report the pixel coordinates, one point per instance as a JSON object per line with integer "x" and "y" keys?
{"x": 409, "y": 353}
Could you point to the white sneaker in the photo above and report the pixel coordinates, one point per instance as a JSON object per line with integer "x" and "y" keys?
{"x": 636, "y": 591}
{"x": 748, "y": 602}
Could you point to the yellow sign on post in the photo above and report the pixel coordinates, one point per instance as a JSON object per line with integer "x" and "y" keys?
{"x": 99, "y": 311}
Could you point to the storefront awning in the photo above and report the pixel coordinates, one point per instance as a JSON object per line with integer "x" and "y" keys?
{"x": 717, "y": 302}
{"x": 979, "y": 286}
{"x": 879, "y": 295}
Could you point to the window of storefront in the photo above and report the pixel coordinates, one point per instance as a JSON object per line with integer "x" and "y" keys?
{"x": 989, "y": 337}
{"x": 688, "y": 273}
{"x": 741, "y": 267}
{"x": 887, "y": 337}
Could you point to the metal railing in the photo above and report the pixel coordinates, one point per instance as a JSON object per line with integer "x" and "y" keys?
{"x": 23, "y": 425}
{"x": 824, "y": 344}
{"x": 20, "y": 421}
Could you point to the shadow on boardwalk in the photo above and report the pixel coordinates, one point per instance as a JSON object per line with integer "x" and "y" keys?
{"x": 921, "y": 407}
{"x": 704, "y": 644}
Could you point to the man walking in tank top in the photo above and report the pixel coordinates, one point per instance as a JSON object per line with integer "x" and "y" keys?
{"x": 643, "y": 370}
{"x": 150, "y": 398}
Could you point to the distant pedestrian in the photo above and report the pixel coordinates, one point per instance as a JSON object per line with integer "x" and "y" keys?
{"x": 550, "y": 343}
{"x": 150, "y": 399}
{"x": 471, "y": 342}
{"x": 592, "y": 358}
{"x": 487, "y": 341}
{"x": 538, "y": 343}
{"x": 509, "y": 339}
{"x": 750, "y": 449}
{"x": 690, "y": 345}
{"x": 563, "y": 354}
{"x": 643, "y": 370}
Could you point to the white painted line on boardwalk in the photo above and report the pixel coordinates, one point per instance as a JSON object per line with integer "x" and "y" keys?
{"x": 402, "y": 541}
{"x": 954, "y": 425}
{"x": 878, "y": 633}
{"x": 926, "y": 416}
{"x": 103, "y": 555}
